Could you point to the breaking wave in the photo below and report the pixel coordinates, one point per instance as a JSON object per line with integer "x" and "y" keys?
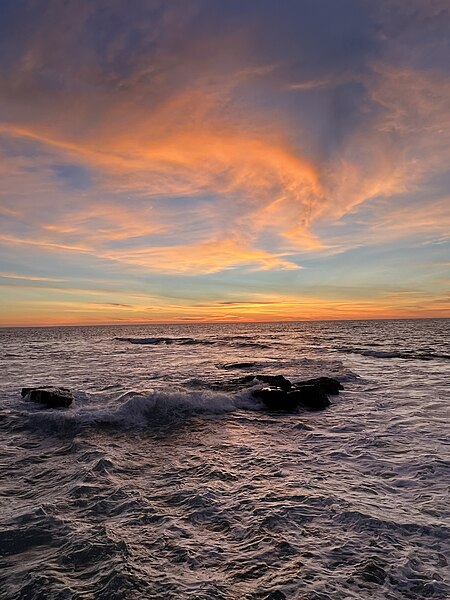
{"x": 135, "y": 411}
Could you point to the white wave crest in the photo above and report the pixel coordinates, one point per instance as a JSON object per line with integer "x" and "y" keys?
{"x": 135, "y": 410}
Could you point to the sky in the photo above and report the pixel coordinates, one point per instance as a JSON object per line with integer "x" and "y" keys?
{"x": 223, "y": 160}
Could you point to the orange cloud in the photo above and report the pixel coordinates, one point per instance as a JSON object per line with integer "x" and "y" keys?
{"x": 105, "y": 221}
{"x": 251, "y": 165}
{"x": 204, "y": 257}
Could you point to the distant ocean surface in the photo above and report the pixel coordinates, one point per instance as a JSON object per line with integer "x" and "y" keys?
{"x": 166, "y": 480}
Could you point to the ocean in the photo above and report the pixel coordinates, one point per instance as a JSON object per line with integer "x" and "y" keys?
{"x": 168, "y": 479}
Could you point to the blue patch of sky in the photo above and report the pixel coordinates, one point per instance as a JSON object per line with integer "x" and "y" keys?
{"x": 72, "y": 176}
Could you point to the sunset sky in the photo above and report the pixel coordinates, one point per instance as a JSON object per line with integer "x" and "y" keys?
{"x": 223, "y": 160}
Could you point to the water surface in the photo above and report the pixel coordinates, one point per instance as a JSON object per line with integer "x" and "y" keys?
{"x": 165, "y": 481}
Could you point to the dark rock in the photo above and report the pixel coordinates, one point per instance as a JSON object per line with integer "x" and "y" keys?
{"x": 50, "y": 396}
{"x": 328, "y": 384}
{"x": 284, "y": 397}
{"x": 276, "y": 399}
{"x": 311, "y": 397}
{"x": 27, "y": 390}
{"x": 273, "y": 380}
{"x": 281, "y": 394}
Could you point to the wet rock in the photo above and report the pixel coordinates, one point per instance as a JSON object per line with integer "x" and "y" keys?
{"x": 276, "y": 399}
{"x": 328, "y": 384}
{"x": 272, "y": 380}
{"x": 312, "y": 397}
{"x": 281, "y": 394}
{"x": 50, "y": 396}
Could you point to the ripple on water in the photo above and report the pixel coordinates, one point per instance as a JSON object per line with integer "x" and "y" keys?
{"x": 193, "y": 492}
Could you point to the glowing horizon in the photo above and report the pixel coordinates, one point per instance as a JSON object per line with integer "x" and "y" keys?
{"x": 221, "y": 162}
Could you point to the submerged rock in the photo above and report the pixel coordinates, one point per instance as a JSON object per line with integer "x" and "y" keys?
{"x": 52, "y": 397}
{"x": 328, "y": 384}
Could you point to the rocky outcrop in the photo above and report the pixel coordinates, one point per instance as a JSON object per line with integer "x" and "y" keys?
{"x": 52, "y": 397}
{"x": 312, "y": 397}
{"x": 282, "y": 395}
{"x": 328, "y": 384}
{"x": 276, "y": 399}
{"x": 272, "y": 380}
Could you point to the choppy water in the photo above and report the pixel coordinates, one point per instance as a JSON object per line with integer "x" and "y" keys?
{"x": 165, "y": 481}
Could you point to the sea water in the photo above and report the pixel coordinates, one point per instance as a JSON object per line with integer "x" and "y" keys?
{"x": 167, "y": 479}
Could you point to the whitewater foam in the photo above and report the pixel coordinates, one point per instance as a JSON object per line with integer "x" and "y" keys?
{"x": 135, "y": 410}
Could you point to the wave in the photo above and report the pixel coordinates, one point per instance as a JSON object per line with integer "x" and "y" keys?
{"x": 158, "y": 340}
{"x": 134, "y": 410}
{"x": 411, "y": 355}
{"x": 188, "y": 341}
{"x": 252, "y": 345}
{"x": 237, "y": 365}
{"x": 359, "y": 520}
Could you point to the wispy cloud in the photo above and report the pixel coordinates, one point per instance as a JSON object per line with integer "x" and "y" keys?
{"x": 29, "y": 277}
{"x": 193, "y": 139}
